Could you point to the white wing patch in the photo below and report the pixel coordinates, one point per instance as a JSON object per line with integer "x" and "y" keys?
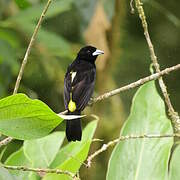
{"x": 73, "y": 74}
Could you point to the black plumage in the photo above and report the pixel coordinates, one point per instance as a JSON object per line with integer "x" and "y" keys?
{"x": 79, "y": 84}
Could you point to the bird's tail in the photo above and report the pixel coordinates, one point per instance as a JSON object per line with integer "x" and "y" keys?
{"x": 73, "y": 128}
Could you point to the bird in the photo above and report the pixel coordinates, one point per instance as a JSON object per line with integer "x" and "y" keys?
{"x": 79, "y": 82}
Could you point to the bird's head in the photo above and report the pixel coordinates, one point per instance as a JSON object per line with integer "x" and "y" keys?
{"x": 89, "y": 53}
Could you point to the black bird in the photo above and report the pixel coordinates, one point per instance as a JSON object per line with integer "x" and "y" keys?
{"x": 78, "y": 88}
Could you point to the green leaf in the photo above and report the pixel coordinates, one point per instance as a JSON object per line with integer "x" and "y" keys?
{"x": 18, "y": 159}
{"x": 2, "y": 153}
{"x": 72, "y": 155}
{"x": 143, "y": 158}
{"x": 49, "y": 41}
{"x": 57, "y": 44}
{"x": 7, "y": 54}
{"x": 22, "y": 4}
{"x": 5, "y": 175}
{"x": 33, "y": 176}
{"x": 33, "y": 13}
{"x": 10, "y": 36}
{"x": 174, "y": 173}
{"x": 24, "y": 118}
{"x": 41, "y": 152}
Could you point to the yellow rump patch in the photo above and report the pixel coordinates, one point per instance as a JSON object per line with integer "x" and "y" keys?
{"x": 72, "y": 106}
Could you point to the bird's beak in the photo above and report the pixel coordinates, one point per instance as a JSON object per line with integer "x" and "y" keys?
{"x": 97, "y": 52}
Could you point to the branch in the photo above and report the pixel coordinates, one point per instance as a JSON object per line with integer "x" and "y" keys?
{"x": 38, "y": 170}
{"x": 135, "y": 84}
{"x": 24, "y": 62}
{"x": 123, "y": 138}
{"x": 6, "y": 141}
{"x": 174, "y": 115}
{"x": 131, "y": 6}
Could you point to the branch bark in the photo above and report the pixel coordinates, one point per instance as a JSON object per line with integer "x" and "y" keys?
{"x": 38, "y": 170}
{"x": 6, "y": 141}
{"x": 134, "y": 84}
{"x": 174, "y": 115}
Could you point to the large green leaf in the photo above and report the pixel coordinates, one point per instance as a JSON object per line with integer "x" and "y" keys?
{"x": 143, "y": 158}
{"x": 72, "y": 155}
{"x": 174, "y": 173}
{"x": 23, "y": 118}
{"x": 41, "y": 152}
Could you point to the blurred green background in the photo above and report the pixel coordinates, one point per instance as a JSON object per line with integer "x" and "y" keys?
{"x": 71, "y": 24}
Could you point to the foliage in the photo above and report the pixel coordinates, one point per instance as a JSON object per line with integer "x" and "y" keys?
{"x": 47, "y": 147}
{"x": 23, "y": 118}
{"x": 4, "y": 174}
{"x": 174, "y": 173}
{"x": 130, "y": 159}
{"x": 59, "y": 38}
{"x": 147, "y": 117}
{"x": 45, "y": 152}
{"x": 72, "y": 155}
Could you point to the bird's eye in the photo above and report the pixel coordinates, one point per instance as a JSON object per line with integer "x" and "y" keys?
{"x": 88, "y": 51}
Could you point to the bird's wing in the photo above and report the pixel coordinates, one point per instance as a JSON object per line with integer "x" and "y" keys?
{"x": 81, "y": 88}
{"x": 67, "y": 89}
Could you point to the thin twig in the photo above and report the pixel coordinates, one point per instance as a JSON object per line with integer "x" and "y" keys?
{"x": 123, "y": 138}
{"x": 38, "y": 170}
{"x": 174, "y": 115}
{"x": 24, "y": 62}
{"x": 135, "y": 84}
{"x": 97, "y": 140}
{"x": 131, "y": 6}
{"x": 6, "y": 141}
